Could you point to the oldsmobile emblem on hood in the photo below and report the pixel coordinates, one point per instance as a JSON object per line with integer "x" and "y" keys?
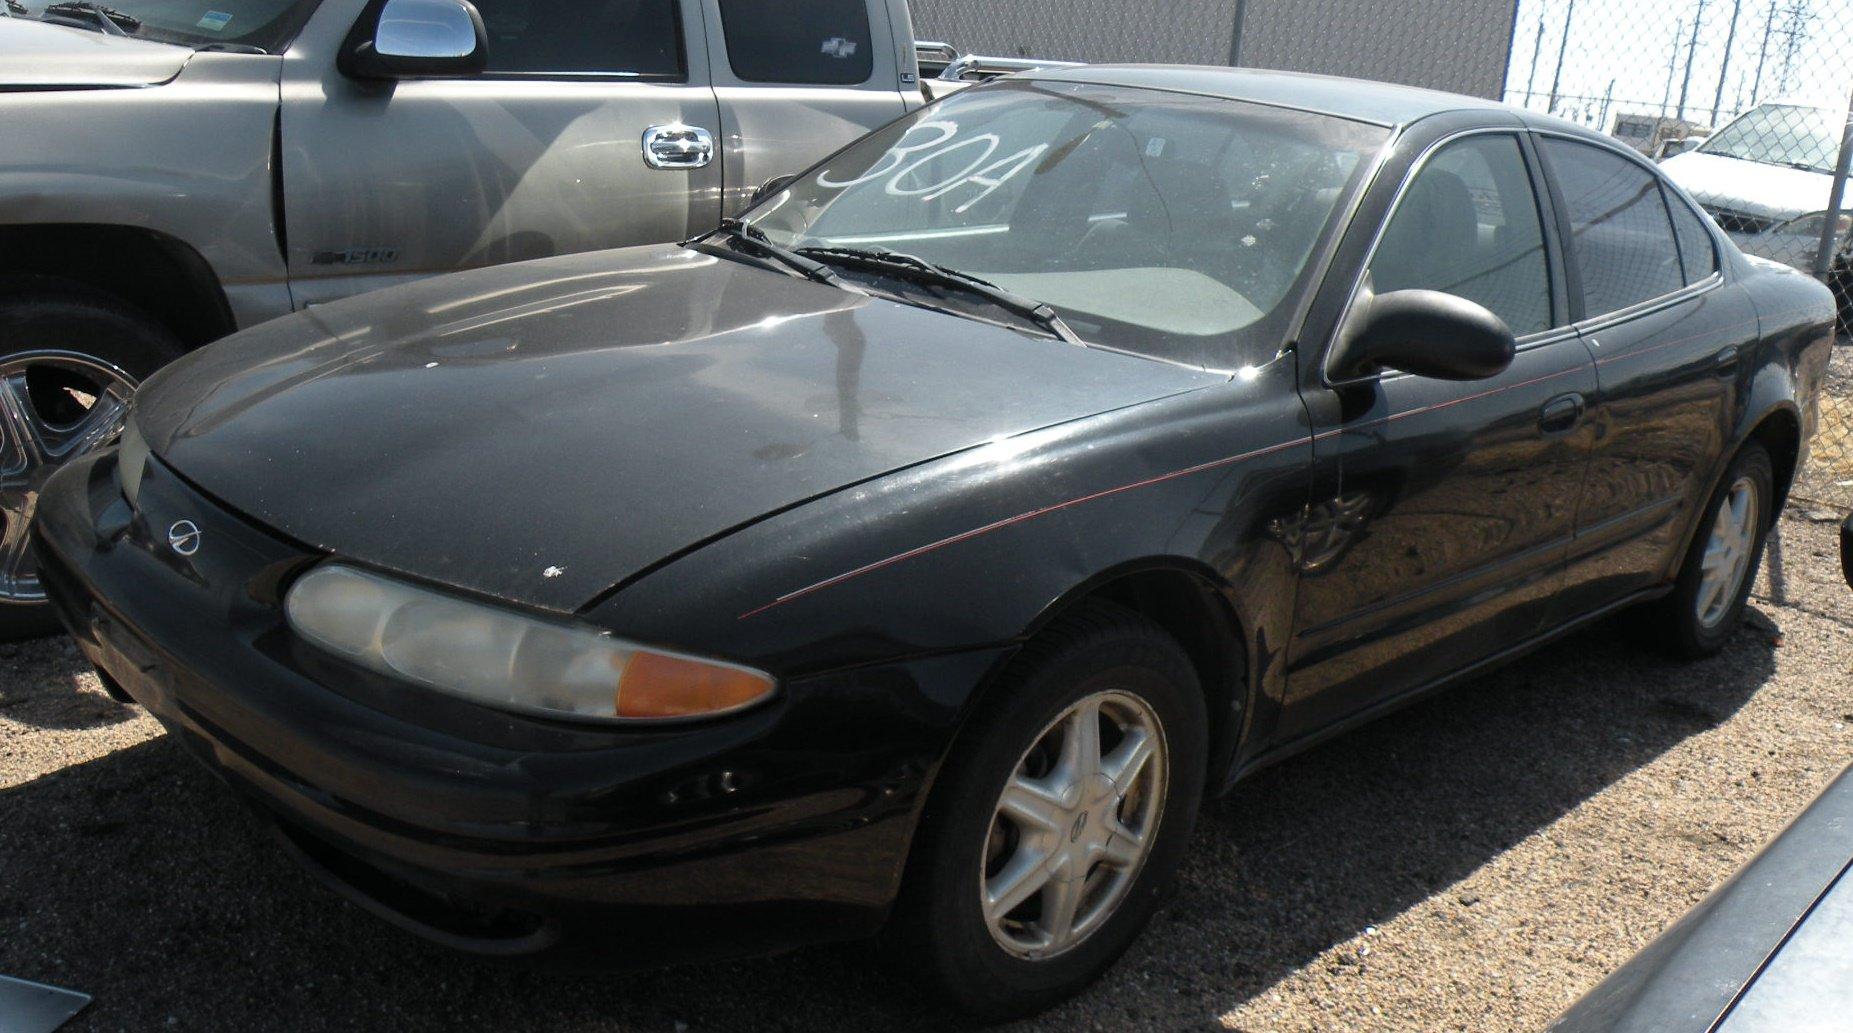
{"x": 183, "y": 537}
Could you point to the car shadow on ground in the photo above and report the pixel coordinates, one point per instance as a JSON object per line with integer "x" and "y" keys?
{"x": 137, "y": 878}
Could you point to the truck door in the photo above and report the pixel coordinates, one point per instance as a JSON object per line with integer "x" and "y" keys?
{"x": 798, "y": 81}
{"x": 546, "y": 152}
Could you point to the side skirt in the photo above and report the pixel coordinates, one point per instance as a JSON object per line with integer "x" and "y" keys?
{"x": 1276, "y": 754}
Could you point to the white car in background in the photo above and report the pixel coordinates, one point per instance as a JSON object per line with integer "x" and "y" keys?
{"x": 1765, "y": 177}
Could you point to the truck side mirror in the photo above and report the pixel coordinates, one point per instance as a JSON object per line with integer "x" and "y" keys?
{"x": 416, "y": 39}
{"x": 1427, "y": 333}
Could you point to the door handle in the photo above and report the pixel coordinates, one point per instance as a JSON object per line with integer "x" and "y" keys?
{"x": 677, "y": 146}
{"x": 1561, "y": 414}
{"x": 1725, "y": 362}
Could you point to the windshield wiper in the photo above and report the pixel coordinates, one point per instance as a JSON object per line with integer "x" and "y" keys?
{"x": 919, "y": 270}
{"x": 756, "y": 238}
{"x": 84, "y": 14}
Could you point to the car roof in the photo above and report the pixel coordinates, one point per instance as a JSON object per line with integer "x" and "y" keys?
{"x": 1384, "y": 104}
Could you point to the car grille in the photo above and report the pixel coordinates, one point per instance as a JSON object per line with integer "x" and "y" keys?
{"x": 1738, "y": 222}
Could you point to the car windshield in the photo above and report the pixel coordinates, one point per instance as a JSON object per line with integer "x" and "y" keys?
{"x": 1165, "y": 224}
{"x": 266, "y": 25}
{"x": 1781, "y": 134}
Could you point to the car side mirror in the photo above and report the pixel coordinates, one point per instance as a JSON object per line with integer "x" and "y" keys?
{"x": 1846, "y": 551}
{"x": 416, "y": 39}
{"x": 1680, "y": 146}
{"x": 1427, "y": 333}
{"x": 772, "y": 186}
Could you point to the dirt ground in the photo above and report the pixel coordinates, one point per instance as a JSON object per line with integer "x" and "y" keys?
{"x": 1473, "y": 863}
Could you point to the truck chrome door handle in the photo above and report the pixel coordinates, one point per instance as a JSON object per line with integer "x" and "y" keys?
{"x": 677, "y": 146}
{"x": 1561, "y": 414}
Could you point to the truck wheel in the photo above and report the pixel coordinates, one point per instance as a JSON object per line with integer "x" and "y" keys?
{"x": 1059, "y": 820}
{"x": 70, "y": 357}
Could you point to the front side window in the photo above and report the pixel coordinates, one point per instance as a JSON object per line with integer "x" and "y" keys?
{"x": 1164, "y": 224}
{"x": 822, "y": 42}
{"x": 639, "y": 39}
{"x": 1468, "y": 225}
{"x": 1621, "y": 237}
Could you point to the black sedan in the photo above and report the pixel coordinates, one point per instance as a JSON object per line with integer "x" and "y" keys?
{"x": 914, "y": 553}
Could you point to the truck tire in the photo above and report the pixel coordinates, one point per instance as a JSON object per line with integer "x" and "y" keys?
{"x": 70, "y": 356}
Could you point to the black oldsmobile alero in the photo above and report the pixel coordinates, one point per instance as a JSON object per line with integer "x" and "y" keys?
{"x": 915, "y": 553}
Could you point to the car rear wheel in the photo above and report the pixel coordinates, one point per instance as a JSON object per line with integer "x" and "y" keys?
{"x": 1059, "y": 820}
{"x": 1708, "y": 600}
{"x": 70, "y": 358}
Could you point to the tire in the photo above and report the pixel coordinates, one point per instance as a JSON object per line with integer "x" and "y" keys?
{"x": 940, "y": 934}
{"x": 57, "y": 341}
{"x": 1695, "y": 621}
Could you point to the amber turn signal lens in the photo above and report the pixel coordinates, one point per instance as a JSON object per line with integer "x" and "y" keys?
{"x": 659, "y": 686}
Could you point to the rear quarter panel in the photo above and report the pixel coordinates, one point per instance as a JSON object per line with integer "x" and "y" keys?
{"x": 1795, "y": 317}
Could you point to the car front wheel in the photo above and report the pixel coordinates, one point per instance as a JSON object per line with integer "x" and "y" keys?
{"x": 70, "y": 358}
{"x": 1059, "y": 820}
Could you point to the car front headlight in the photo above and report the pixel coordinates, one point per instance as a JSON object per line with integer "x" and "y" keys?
{"x": 505, "y": 659}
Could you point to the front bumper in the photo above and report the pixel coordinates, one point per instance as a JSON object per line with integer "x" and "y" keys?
{"x": 492, "y": 831}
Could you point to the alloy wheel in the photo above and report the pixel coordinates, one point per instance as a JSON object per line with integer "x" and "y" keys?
{"x": 1726, "y": 561}
{"x": 1074, "y": 824}
{"x": 54, "y": 407}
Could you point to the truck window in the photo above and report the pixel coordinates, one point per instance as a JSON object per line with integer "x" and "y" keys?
{"x": 635, "y": 39}
{"x": 824, "y": 42}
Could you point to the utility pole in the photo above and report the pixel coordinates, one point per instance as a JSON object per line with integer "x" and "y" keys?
{"x": 1794, "y": 34}
{"x": 1724, "y": 65}
{"x": 1672, "y": 69}
{"x": 1762, "y": 54}
{"x": 1692, "y": 51}
{"x": 1563, "y": 47}
{"x": 1537, "y": 49}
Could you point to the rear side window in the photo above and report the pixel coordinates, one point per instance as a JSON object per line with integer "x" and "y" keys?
{"x": 1696, "y": 251}
{"x": 1621, "y": 236}
{"x": 824, "y": 42}
{"x": 1468, "y": 225}
{"x": 637, "y": 39}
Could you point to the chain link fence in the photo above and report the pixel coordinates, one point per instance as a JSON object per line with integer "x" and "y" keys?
{"x": 1745, "y": 103}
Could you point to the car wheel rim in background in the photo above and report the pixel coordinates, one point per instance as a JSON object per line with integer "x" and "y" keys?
{"x": 54, "y": 407}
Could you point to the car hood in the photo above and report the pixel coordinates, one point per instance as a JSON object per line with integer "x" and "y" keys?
{"x": 1766, "y": 191}
{"x": 543, "y": 431}
{"x": 36, "y": 55}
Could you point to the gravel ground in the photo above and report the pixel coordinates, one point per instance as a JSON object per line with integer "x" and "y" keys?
{"x": 1472, "y": 863}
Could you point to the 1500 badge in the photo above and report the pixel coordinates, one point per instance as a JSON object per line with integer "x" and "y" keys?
{"x": 356, "y": 256}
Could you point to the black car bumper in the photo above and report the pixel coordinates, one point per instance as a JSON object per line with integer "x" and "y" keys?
{"x": 487, "y": 830}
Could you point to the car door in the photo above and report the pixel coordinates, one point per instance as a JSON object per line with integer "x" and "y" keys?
{"x": 1447, "y": 508}
{"x": 796, "y": 82}
{"x": 1665, "y": 328}
{"x": 541, "y": 154}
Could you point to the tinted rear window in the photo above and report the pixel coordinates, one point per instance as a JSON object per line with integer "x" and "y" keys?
{"x": 1696, "y": 250}
{"x": 1621, "y": 237}
{"x": 819, "y": 41}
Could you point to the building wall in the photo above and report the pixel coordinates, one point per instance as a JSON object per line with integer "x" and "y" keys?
{"x": 1459, "y": 45}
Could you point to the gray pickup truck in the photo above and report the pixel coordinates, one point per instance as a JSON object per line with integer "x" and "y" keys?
{"x": 174, "y": 170}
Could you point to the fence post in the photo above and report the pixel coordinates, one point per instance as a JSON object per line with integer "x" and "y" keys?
{"x": 1235, "y": 35}
{"x": 1824, "y": 254}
